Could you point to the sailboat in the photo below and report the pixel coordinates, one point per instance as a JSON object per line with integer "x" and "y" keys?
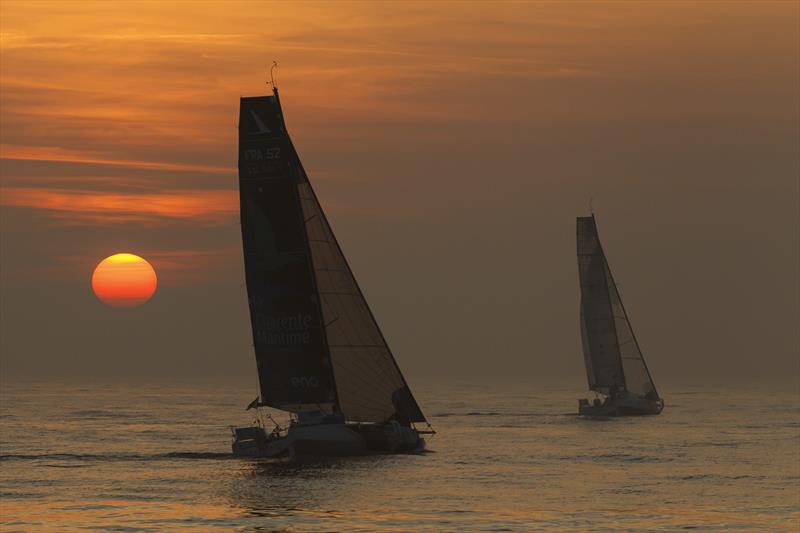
{"x": 320, "y": 354}
{"x": 615, "y": 366}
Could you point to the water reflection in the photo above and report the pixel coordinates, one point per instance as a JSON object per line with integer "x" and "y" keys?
{"x": 498, "y": 461}
{"x": 314, "y": 487}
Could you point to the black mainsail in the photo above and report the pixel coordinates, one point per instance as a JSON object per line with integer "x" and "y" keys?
{"x": 614, "y": 362}
{"x": 317, "y": 343}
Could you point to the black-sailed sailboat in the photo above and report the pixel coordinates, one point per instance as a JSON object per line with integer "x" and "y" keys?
{"x": 615, "y": 366}
{"x": 319, "y": 351}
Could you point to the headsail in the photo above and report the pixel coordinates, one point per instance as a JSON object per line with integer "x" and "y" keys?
{"x": 612, "y": 355}
{"x": 368, "y": 384}
{"x": 637, "y": 377}
{"x": 368, "y": 381}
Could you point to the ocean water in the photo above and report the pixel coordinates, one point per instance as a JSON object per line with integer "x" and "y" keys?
{"x": 507, "y": 457}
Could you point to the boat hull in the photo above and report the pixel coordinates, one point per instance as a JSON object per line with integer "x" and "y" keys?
{"x": 330, "y": 440}
{"x": 254, "y": 442}
{"x": 621, "y": 407}
{"x": 333, "y": 440}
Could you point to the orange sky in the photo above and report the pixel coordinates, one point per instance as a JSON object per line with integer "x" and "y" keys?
{"x": 451, "y": 143}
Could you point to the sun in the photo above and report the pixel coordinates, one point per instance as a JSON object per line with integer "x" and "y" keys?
{"x": 124, "y": 280}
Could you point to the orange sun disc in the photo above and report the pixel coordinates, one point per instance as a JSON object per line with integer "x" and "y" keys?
{"x": 124, "y": 280}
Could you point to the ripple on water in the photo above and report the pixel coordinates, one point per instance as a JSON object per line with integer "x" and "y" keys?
{"x": 547, "y": 469}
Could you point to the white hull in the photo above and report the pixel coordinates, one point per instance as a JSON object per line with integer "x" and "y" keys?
{"x": 331, "y": 440}
{"x": 254, "y": 442}
{"x": 626, "y": 406}
{"x": 326, "y": 439}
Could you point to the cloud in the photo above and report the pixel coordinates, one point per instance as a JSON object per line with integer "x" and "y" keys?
{"x": 55, "y": 153}
{"x": 89, "y": 207}
{"x": 17, "y": 40}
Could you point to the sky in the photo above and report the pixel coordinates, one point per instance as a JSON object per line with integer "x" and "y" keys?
{"x": 451, "y": 144}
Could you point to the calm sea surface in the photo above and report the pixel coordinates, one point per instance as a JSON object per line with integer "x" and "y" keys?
{"x": 507, "y": 457}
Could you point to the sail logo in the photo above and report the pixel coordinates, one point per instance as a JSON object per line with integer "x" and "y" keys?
{"x": 305, "y": 382}
{"x": 298, "y": 322}
{"x": 256, "y": 154}
{"x": 261, "y": 127}
{"x": 283, "y": 330}
{"x": 291, "y": 338}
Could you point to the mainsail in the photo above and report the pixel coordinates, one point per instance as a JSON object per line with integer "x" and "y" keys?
{"x": 317, "y": 343}
{"x": 613, "y": 359}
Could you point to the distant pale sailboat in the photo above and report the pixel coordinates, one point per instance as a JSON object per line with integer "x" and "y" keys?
{"x": 319, "y": 351}
{"x": 615, "y": 366}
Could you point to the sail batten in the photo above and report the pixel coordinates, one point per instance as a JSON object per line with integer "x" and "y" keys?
{"x": 613, "y": 359}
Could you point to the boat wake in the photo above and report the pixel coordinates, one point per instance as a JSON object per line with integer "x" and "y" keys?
{"x": 489, "y": 413}
{"x": 115, "y": 456}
